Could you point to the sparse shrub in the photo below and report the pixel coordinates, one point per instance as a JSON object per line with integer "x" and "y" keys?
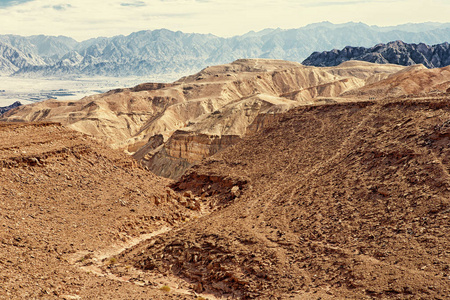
{"x": 113, "y": 261}
{"x": 165, "y": 288}
{"x": 84, "y": 258}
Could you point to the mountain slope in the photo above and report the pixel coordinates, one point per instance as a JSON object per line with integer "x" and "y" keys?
{"x": 414, "y": 80}
{"x": 61, "y": 203}
{"x": 140, "y": 53}
{"x": 398, "y": 52}
{"x": 12, "y": 59}
{"x": 339, "y": 201}
{"x": 49, "y": 48}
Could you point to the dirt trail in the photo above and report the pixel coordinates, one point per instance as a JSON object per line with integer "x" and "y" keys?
{"x": 97, "y": 262}
{"x": 97, "y": 257}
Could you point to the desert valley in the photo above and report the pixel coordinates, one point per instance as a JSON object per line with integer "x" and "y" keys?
{"x": 319, "y": 175}
{"x": 281, "y": 181}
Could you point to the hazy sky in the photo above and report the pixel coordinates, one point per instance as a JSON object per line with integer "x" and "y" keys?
{"x": 82, "y": 19}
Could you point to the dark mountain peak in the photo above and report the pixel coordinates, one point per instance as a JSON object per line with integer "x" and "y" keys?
{"x": 9, "y": 107}
{"x": 397, "y": 42}
{"x": 395, "y": 52}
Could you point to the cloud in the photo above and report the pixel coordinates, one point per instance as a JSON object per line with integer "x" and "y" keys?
{"x": 85, "y": 19}
{"x": 61, "y": 7}
{"x": 8, "y": 3}
{"x": 345, "y": 2}
{"x": 134, "y": 4}
{"x": 329, "y": 3}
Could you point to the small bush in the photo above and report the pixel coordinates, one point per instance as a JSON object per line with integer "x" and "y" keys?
{"x": 165, "y": 288}
{"x": 113, "y": 261}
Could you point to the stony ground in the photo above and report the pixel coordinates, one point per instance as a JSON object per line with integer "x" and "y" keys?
{"x": 64, "y": 197}
{"x": 345, "y": 201}
{"x": 339, "y": 201}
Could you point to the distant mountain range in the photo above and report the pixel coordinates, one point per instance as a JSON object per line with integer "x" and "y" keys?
{"x": 164, "y": 51}
{"x": 398, "y": 52}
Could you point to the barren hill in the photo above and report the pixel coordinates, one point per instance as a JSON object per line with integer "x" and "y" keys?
{"x": 171, "y": 126}
{"x": 62, "y": 208}
{"x": 337, "y": 201}
{"x": 414, "y": 80}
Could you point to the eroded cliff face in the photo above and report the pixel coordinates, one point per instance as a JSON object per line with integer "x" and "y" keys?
{"x": 182, "y": 150}
{"x": 111, "y": 117}
{"x": 211, "y": 134}
{"x": 171, "y": 126}
{"x": 194, "y": 147}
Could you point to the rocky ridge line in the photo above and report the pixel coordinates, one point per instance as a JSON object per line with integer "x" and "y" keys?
{"x": 397, "y": 52}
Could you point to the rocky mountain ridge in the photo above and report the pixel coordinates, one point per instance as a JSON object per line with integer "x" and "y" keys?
{"x": 164, "y": 51}
{"x": 12, "y": 59}
{"x": 398, "y": 52}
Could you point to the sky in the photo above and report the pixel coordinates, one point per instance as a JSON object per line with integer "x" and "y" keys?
{"x": 84, "y": 19}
